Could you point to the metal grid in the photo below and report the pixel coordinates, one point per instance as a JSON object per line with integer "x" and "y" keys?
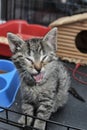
{"x": 40, "y": 11}
{"x": 7, "y": 120}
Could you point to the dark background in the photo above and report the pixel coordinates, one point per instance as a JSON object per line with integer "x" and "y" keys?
{"x": 40, "y": 11}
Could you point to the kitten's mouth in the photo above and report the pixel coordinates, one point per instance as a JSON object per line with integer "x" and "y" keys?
{"x": 38, "y": 77}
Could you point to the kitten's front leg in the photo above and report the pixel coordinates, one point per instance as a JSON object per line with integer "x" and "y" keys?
{"x": 44, "y": 112}
{"x": 29, "y": 110}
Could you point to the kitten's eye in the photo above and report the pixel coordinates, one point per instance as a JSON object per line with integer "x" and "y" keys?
{"x": 44, "y": 59}
{"x": 29, "y": 59}
{"x": 47, "y": 59}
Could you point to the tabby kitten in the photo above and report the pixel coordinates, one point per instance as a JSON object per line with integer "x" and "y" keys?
{"x": 45, "y": 79}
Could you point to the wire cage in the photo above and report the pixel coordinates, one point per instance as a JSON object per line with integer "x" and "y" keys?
{"x": 39, "y": 12}
{"x": 8, "y": 120}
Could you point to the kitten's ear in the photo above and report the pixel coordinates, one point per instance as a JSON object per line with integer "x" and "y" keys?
{"x": 50, "y": 39}
{"x": 15, "y": 41}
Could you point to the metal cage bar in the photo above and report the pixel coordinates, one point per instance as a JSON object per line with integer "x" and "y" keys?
{"x": 42, "y": 11}
{"x": 7, "y": 120}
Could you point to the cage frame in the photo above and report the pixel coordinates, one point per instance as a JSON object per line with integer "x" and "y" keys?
{"x": 25, "y": 126}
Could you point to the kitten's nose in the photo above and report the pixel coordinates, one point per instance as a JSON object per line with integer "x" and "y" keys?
{"x": 38, "y": 68}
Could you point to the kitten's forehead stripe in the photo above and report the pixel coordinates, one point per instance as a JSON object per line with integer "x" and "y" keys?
{"x": 28, "y": 46}
{"x": 35, "y": 45}
{"x": 42, "y": 48}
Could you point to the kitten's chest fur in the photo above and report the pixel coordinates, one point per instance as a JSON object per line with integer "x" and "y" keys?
{"x": 52, "y": 84}
{"x": 46, "y": 88}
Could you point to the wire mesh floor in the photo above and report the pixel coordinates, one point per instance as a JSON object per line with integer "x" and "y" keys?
{"x": 73, "y": 116}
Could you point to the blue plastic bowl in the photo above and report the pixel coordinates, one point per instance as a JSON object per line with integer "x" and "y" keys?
{"x": 9, "y": 83}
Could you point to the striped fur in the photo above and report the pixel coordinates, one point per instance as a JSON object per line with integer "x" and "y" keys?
{"x": 32, "y": 58}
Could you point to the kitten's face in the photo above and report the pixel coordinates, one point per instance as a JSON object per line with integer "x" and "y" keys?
{"x": 34, "y": 54}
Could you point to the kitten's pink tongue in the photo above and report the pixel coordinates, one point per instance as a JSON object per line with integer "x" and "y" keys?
{"x": 38, "y": 77}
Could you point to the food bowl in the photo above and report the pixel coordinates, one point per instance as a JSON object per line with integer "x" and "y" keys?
{"x": 9, "y": 83}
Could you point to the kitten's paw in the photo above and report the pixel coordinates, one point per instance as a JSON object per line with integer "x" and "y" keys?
{"x": 21, "y": 120}
{"x": 25, "y": 122}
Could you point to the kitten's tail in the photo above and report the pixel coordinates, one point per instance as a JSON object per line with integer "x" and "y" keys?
{"x": 74, "y": 93}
